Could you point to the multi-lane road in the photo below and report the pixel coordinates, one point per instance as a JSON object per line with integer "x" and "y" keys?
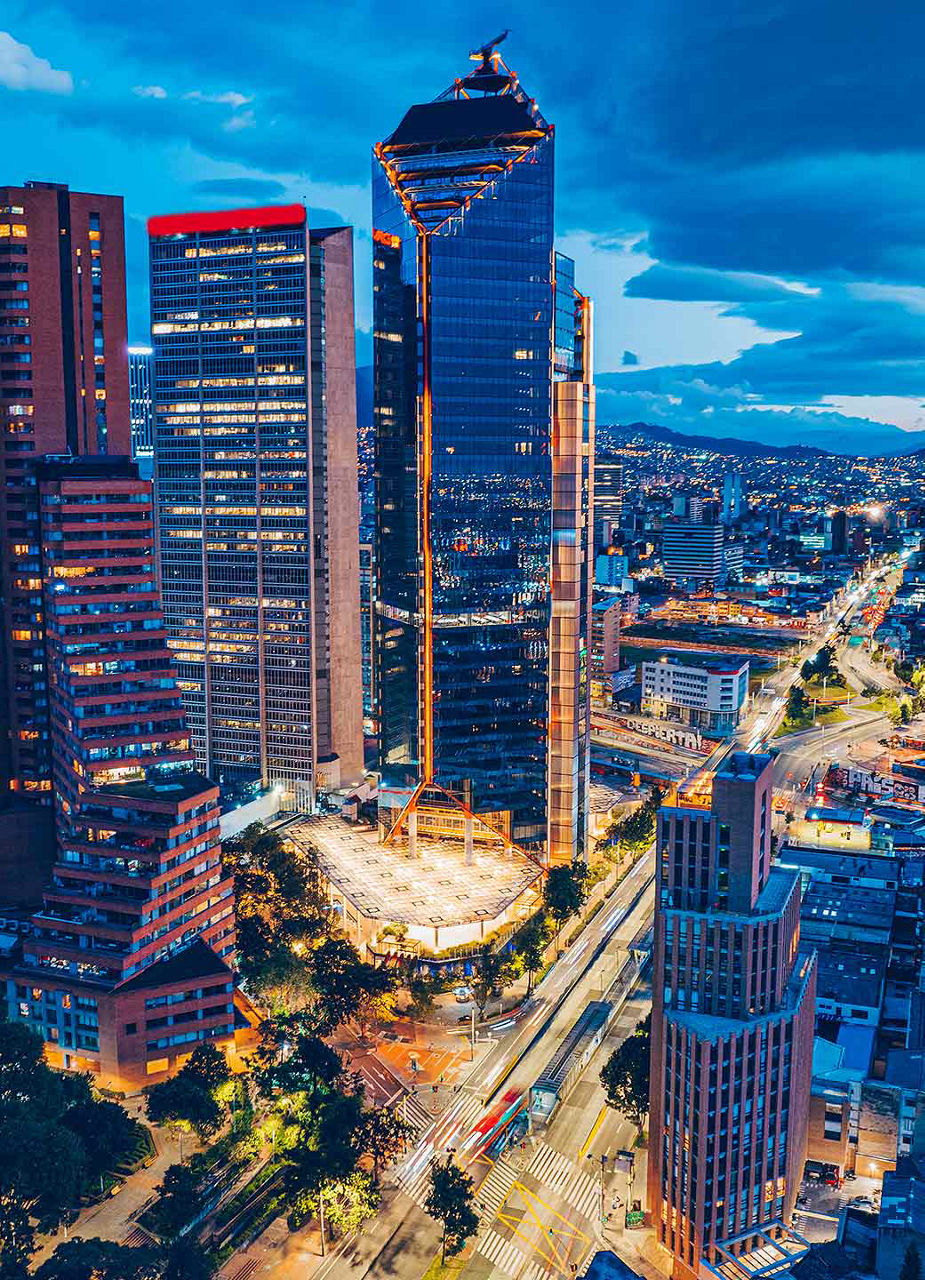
{"x": 540, "y": 1205}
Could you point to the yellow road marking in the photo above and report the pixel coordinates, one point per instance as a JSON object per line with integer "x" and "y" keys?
{"x": 593, "y": 1134}
{"x": 553, "y": 1251}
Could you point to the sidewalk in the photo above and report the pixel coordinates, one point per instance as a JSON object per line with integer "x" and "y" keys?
{"x": 113, "y": 1217}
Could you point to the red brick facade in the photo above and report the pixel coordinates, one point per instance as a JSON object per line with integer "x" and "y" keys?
{"x": 732, "y": 1027}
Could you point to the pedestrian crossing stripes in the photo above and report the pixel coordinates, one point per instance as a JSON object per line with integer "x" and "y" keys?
{"x": 443, "y": 1133}
{"x": 496, "y": 1188}
{"x": 414, "y": 1111}
{"x": 507, "y": 1256}
{"x": 556, "y": 1172}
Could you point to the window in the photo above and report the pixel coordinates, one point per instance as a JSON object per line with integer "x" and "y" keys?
{"x": 131, "y": 1028}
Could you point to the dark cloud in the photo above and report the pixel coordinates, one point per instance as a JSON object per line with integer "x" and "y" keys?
{"x": 750, "y": 144}
{"x": 232, "y": 189}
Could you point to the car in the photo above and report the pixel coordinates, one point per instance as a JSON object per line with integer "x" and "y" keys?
{"x": 801, "y": 1200}
{"x": 861, "y": 1202}
{"x": 850, "y": 1175}
{"x": 463, "y": 994}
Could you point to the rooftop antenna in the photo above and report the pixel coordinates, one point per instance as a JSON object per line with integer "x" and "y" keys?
{"x": 484, "y": 53}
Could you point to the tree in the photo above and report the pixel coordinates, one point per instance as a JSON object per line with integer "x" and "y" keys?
{"x": 189, "y": 1098}
{"x": 382, "y": 1134}
{"x": 187, "y": 1261}
{"x": 340, "y": 981}
{"x": 17, "y": 1238}
{"x": 184, "y": 1101}
{"x": 565, "y": 891}
{"x": 208, "y": 1064}
{"x": 310, "y": 1069}
{"x": 625, "y": 1075}
{"x": 181, "y": 1196}
{"x": 377, "y": 999}
{"x": 97, "y": 1259}
{"x": 280, "y": 915}
{"x": 422, "y": 993}
{"x": 531, "y": 944}
{"x": 351, "y": 1201}
{"x": 106, "y": 1132}
{"x": 494, "y": 971}
{"x": 449, "y": 1202}
{"x": 797, "y": 703}
{"x": 326, "y": 1152}
{"x": 825, "y": 661}
{"x": 53, "y": 1137}
{"x": 912, "y": 1263}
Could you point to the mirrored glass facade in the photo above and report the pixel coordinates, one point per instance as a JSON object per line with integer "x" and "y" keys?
{"x": 464, "y": 321}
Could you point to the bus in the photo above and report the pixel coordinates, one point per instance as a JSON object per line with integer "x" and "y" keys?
{"x": 493, "y": 1132}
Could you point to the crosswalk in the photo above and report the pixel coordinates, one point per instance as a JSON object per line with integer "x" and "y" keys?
{"x": 507, "y": 1256}
{"x": 440, "y": 1135}
{"x": 413, "y": 1110}
{"x": 556, "y": 1172}
{"x": 496, "y": 1188}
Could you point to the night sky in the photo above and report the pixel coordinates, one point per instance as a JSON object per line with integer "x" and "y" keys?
{"x": 741, "y": 183}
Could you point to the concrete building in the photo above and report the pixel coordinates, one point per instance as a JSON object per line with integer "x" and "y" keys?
{"x": 142, "y": 408}
{"x": 258, "y": 507}
{"x": 732, "y": 1029}
{"x": 733, "y": 505}
{"x": 700, "y": 690}
{"x": 138, "y": 876}
{"x": 608, "y": 500}
{"x": 692, "y": 553}
{"x": 63, "y": 390}
{"x": 605, "y": 638}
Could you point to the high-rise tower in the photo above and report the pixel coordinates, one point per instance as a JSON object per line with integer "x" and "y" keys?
{"x": 732, "y": 1034}
{"x": 258, "y": 510}
{"x": 63, "y": 390}
{"x": 484, "y": 415}
{"x": 138, "y": 878}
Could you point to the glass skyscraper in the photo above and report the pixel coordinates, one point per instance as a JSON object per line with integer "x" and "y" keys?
{"x": 256, "y": 469}
{"x": 482, "y": 595}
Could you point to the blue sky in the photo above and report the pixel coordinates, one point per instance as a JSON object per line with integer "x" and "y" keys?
{"x": 741, "y": 183}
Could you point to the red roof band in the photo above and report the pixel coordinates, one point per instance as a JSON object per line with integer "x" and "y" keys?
{"x": 184, "y": 224}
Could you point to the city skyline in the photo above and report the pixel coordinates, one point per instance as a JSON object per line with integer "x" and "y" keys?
{"x": 450, "y": 827}
{"x": 713, "y": 232}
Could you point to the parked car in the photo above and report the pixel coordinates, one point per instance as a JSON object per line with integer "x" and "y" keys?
{"x": 862, "y": 1202}
{"x": 463, "y": 994}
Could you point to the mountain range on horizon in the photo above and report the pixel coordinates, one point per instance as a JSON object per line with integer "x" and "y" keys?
{"x": 872, "y": 440}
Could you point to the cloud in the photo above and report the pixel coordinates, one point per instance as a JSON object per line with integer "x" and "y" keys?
{"x": 262, "y": 190}
{"x": 228, "y": 99}
{"x": 21, "y": 68}
{"x": 149, "y": 91}
{"x": 242, "y": 120}
{"x": 746, "y": 211}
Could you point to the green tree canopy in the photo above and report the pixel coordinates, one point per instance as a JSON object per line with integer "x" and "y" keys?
{"x": 494, "y": 970}
{"x": 565, "y": 891}
{"x": 531, "y": 944}
{"x": 625, "y": 1075}
{"x": 381, "y": 1135}
{"x": 97, "y": 1259}
{"x": 449, "y": 1202}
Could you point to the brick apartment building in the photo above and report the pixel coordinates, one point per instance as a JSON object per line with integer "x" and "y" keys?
{"x": 732, "y": 1033}
{"x": 124, "y": 965}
